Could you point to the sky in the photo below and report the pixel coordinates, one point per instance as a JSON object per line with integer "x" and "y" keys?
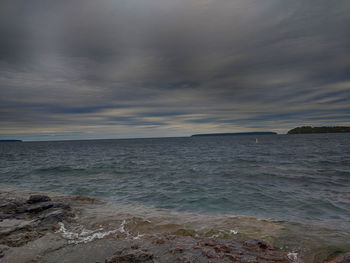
{"x": 85, "y": 69}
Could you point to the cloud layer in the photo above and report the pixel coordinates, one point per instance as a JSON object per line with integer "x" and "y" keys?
{"x": 127, "y": 68}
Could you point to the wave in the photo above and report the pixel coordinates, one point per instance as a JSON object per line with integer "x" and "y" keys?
{"x": 59, "y": 169}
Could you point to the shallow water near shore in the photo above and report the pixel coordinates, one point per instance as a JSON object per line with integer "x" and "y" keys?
{"x": 292, "y": 191}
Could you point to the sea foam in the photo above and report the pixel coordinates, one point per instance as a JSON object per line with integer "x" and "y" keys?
{"x": 87, "y": 235}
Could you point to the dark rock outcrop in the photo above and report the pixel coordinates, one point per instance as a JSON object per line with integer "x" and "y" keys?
{"x": 38, "y": 198}
{"x": 23, "y": 220}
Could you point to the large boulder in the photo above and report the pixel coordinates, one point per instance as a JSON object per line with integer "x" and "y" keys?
{"x": 38, "y": 198}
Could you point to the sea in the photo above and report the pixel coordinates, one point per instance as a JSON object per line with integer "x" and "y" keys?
{"x": 299, "y": 184}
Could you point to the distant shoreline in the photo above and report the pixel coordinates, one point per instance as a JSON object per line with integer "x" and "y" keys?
{"x": 234, "y": 134}
{"x": 297, "y": 130}
{"x": 324, "y": 129}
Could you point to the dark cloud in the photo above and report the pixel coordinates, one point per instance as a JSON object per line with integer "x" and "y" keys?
{"x": 164, "y": 68}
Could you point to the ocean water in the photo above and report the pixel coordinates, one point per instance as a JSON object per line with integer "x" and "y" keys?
{"x": 301, "y": 180}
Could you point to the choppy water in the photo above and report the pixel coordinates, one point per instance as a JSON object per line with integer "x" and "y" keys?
{"x": 300, "y": 179}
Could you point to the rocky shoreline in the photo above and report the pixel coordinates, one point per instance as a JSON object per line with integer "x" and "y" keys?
{"x": 37, "y": 228}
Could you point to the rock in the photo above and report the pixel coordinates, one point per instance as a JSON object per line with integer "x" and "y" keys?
{"x": 34, "y": 250}
{"x": 177, "y": 250}
{"x": 158, "y": 241}
{"x": 36, "y": 208}
{"x": 256, "y": 243}
{"x": 22, "y": 221}
{"x": 18, "y": 239}
{"x": 38, "y": 198}
{"x": 134, "y": 246}
{"x": 61, "y": 205}
{"x": 137, "y": 257}
{"x": 28, "y": 230}
{"x": 10, "y": 206}
{"x": 222, "y": 248}
{"x": 262, "y": 245}
{"x": 54, "y": 217}
{"x": 200, "y": 250}
{"x": 9, "y": 226}
{"x": 341, "y": 258}
{"x": 86, "y": 199}
{"x": 2, "y": 249}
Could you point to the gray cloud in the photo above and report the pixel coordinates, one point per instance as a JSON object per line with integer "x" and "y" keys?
{"x": 164, "y": 68}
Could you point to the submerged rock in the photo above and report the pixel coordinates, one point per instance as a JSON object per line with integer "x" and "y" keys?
{"x": 341, "y": 258}
{"x": 195, "y": 249}
{"x": 136, "y": 257}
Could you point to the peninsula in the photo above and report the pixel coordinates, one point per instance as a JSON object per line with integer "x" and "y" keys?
{"x": 235, "y": 134}
{"x": 324, "y": 129}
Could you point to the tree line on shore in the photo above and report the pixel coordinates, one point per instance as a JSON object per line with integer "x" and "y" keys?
{"x": 324, "y": 129}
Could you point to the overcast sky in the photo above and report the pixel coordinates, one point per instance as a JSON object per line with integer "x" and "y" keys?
{"x": 77, "y": 69}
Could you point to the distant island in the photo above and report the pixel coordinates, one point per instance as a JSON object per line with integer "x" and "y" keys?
{"x": 10, "y": 140}
{"x": 235, "y": 134}
{"x": 324, "y": 129}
